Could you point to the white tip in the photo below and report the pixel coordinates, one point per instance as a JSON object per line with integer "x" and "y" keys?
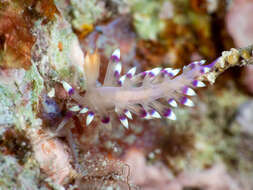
{"x": 190, "y": 92}
{"x": 122, "y": 79}
{"x": 202, "y": 62}
{"x": 189, "y": 103}
{"x": 128, "y": 114}
{"x": 74, "y": 108}
{"x": 51, "y": 93}
{"x": 155, "y": 114}
{"x": 173, "y": 103}
{"x": 156, "y": 71}
{"x": 124, "y": 122}
{"x": 116, "y": 53}
{"x": 118, "y": 68}
{"x": 132, "y": 71}
{"x": 66, "y": 86}
{"x": 89, "y": 118}
{"x": 168, "y": 69}
{"x": 206, "y": 70}
{"x": 84, "y": 110}
{"x": 200, "y": 84}
{"x": 172, "y": 72}
{"x": 175, "y": 71}
{"x": 172, "y": 116}
{"x": 148, "y": 116}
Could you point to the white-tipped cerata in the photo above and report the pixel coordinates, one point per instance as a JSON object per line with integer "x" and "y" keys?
{"x": 188, "y": 91}
{"x": 118, "y": 68}
{"x": 205, "y": 70}
{"x": 128, "y": 114}
{"x": 169, "y": 114}
{"x": 148, "y": 116}
{"x": 67, "y": 87}
{"x": 51, "y": 93}
{"x": 74, "y": 108}
{"x": 172, "y": 116}
{"x": 172, "y": 102}
{"x": 202, "y": 62}
{"x": 84, "y": 110}
{"x": 122, "y": 79}
{"x": 131, "y": 72}
{"x": 197, "y": 83}
{"x": 155, "y": 71}
{"x": 116, "y": 55}
{"x": 175, "y": 71}
{"x": 89, "y": 118}
{"x": 154, "y": 114}
{"x": 187, "y": 102}
{"x": 124, "y": 121}
{"x": 171, "y": 72}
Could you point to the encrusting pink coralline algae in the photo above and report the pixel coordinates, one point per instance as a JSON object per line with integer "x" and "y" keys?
{"x": 150, "y": 94}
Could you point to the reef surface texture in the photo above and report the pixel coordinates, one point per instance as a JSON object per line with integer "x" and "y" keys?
{"x": 105, "y": 95}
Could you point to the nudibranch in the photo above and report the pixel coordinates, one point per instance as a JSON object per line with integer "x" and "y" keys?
{"x": 149, "y": 94}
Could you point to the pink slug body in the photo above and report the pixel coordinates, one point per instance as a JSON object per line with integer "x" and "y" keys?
{"x": 149, "y": 94}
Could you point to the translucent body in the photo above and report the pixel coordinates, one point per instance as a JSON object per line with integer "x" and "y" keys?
{"x": 143, "y": 93}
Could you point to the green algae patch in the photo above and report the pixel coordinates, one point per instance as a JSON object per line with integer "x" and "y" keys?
{"x": 6, "y": 103}
{"x": 57, "y": 52}
{"x": 19, "y": 94}
{"x": 15, "y": 176}
{"x": 146, "y": 21}
{"x": 33, "y": 76}
{"x": 85, "y": 13}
